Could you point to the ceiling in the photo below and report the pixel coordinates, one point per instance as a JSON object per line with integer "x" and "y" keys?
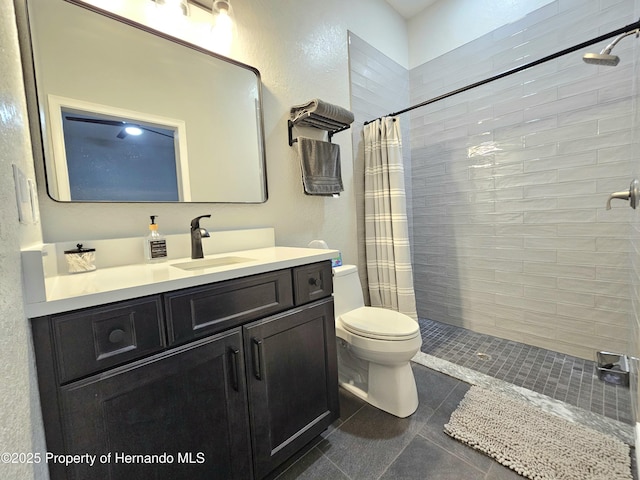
{"x": 409, "y": 8}
{"x": 406, "y": 8}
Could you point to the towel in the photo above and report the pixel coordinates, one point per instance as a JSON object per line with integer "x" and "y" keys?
{"x": 320, "y": 163}
{"x": 323, "y": 109}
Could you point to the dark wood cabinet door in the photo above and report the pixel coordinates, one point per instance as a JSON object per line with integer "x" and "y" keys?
{"x": 187, "y": 406}
{"x": 292, "y": 381}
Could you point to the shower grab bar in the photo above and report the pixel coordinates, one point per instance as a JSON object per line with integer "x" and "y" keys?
{"x": 619, "y": 31}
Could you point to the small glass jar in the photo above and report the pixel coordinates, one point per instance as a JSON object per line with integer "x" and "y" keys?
{"x": 81, "y": 259}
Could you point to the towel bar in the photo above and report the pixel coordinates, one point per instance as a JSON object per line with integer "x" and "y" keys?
{"x": 316, "y": 121}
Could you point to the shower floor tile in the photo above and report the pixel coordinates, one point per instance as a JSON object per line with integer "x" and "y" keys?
{"x": 562, "y": 377}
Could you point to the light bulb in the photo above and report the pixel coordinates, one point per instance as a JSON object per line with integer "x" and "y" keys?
{"x": 133, "y": 130}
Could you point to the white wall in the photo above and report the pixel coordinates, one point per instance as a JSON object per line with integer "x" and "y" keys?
{"x": 20, "y": 424}
{"x": 448, "y": 24}
{"x": 301, "y": 51}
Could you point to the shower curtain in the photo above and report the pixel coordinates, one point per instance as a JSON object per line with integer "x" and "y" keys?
{"x": 386, "y": 226}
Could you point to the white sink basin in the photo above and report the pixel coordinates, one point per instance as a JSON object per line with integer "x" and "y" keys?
{"x": 211, "y": 262}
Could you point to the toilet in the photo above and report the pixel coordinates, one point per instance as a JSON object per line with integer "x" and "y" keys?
{"x": 375, "y": 346}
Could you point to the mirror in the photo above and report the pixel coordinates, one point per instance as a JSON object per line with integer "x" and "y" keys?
{"x": 197, "y": 115}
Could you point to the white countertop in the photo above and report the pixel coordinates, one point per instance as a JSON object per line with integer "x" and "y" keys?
{"x": 105, "y": 285}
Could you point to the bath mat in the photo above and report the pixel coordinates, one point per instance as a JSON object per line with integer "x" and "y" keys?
{"x": 534, "y": 443}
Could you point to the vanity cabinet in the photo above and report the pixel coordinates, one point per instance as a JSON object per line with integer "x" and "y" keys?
{"x": 188, "y": 405}
{"x": 291, "y": 360}
{"x": 249, "y": 380}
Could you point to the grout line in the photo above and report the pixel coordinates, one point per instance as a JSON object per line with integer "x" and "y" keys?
{"x": 457, "y": 456}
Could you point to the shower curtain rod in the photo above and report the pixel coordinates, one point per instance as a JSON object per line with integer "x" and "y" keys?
{"x": 631, "y": 26}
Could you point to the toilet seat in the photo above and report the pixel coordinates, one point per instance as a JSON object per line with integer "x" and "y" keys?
{"x": 380, "y": 324}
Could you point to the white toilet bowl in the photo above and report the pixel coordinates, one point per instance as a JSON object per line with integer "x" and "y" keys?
{"x": 375, "y": 346}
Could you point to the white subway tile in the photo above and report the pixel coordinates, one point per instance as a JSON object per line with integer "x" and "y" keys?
{"x": 578, "y": 131}
{"x": 561, "y": 243}
{"x": 584, "y": 299}
{"x": 561, "y": 216}
{"x": 526, "y": 230}
{"x": 561, "y": 161}
{"x": 526, "y": 179}
{"x": 597, "y": 229}
{"x": 589, "y": 314}
{"x": 568, "y": 271}
{"x": 605, "y": 244}
{"x": 525, "y": 205}
{"x": 614, "y": 303}
{"x": 596, "y": 171}
{"x": 593, "y": 142}
{"x": 527, "y": 303}
{"x": 596, "y": 287}
{"x": 617, "y": 154}
{"x": 526, "y": 279}
{"x": 560, "y": 189}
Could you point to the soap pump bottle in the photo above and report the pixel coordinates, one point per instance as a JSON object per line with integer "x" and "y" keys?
{"x": 155, "y": 245}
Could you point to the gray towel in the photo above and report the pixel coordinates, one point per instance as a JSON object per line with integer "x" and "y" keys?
{"x": 324, "y": 109}
{"x": 320, "y": 163}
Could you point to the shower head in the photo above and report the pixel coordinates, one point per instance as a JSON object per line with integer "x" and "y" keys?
{"x": 601, "y": 59}
{"x": 605, "y": 57}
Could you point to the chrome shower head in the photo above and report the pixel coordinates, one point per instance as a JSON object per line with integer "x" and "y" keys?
{"x": 601, "y": 59}
{"x": 605, "y": 57}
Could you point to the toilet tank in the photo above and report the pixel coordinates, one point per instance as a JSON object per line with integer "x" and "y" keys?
{"x": 347, "y": 291}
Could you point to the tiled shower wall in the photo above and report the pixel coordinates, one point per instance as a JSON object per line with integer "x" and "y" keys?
{"x": 378, "y": 86}
{"x": 635, "y": 253}
{"x": 510, "y": 180}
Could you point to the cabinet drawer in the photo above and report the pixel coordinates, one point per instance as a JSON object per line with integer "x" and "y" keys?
{"x": 312, "y": 282}
{"x": 98, "y": 338}
{"x": 200, "y": 311}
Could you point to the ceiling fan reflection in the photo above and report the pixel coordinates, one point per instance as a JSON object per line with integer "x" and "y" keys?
{"x": 127, "y": 128}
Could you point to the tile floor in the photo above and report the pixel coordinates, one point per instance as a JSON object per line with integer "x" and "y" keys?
{"x": 368, "y": 444}
{"x": 563, "y": 377}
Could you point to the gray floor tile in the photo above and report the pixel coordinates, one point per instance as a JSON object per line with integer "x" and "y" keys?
{"x": 365, "y": 444}
{"x": 433, "y": 387}
{"x": 434, "y": 431}
{"x": 313, "y": 466}
{"x": 500, "y": 472}
{"x": 424, "y": 460}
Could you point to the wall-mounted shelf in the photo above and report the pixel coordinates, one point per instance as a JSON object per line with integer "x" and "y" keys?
{"x": 314, "y": 120}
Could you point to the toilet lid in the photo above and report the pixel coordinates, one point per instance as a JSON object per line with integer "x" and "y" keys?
{"x": 379, "y": 323}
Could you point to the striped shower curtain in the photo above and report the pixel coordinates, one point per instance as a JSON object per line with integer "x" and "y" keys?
{"x": 386, "y": 227}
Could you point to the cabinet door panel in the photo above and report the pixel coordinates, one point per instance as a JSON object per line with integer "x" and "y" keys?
{"x": 98, "y": 338}
{"x": 292, "y": 377}
{"x": 188, "y": 404}
{"x": 200, "y": 311}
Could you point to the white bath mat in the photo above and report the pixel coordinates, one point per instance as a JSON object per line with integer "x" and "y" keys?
{"x": 536, "y": 444}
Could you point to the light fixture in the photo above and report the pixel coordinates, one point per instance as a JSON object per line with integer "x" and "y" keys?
{"x": 129, "y": 129}
{"x": 133, "y": 130}
{"x": 221, "y": 6}
{"x": 179, "y": 7}
{"x": 222, "y": 25}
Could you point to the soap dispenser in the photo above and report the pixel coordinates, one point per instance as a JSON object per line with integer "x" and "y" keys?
{"x": 155, "y": 245}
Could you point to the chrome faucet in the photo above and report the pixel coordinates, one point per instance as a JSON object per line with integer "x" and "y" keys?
{"x": 197, "y": 234}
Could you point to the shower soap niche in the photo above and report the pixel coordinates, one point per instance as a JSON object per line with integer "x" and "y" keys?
{"x": 613, "y": 368}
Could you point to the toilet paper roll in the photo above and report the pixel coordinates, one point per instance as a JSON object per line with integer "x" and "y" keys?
{"x": 318, "y": 244}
